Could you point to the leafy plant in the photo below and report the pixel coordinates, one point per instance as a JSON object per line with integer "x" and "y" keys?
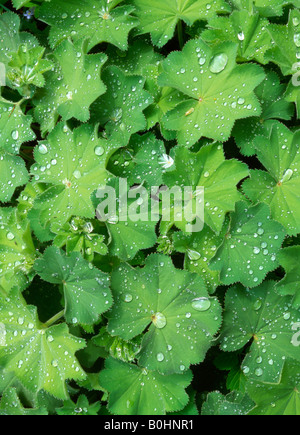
{"x": 132, "y": 311}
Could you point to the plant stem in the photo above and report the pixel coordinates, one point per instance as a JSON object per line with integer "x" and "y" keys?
{"x": 54, "y": 319}
{"x": 180, "y": 34}
{"x": 5, "y": 8}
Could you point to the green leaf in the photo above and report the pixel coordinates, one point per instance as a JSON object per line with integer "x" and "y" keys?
{"x": 250, "y": 247}
{"x": 209, "y": 169}
{"x": 71, "y": 87}
{"x": 200, "y": 248}
{"x": 287, "y": 41}
{"x": 81, "y": 407}
{"x": 14, "y": 131}
{"x": 293, "y": 90}
{"x": 10, "y": 33}
{"x": 216, "y": 88}
{"x": 173, "y": 304}
{"x": 26, "y": 69}
{"x": 289, "y": 259}
{"x": 41, "y": 358}
{"x": 73, "y": 165}
{"x": 165, "y": 99}
{"x": 266, "y": 8}
{"x": 271, "y": 341}
{"x": 17, "y": 251}
{"x": 117, "y": 347}
{"x": 99, "y": 21}
{"x": 81, "y": 236}
{"x": 140, "y": 162}
{"x": 247, "y": 29}
{"x": 10, "y": 404}
{"x": 128, "y": 233}
{"x": 121, "y": 108}
{"x": 160, "y": 18}
{"x": 19, "y": 3}
{"x": 234, "y": 403}
{"x": 279, "y": 187}
{"x": 271, "y": 95}
{"x": 280, "y": 399}
{"x": 140, "y": 55}
{"x": 86, "y": 289}
{"x": 137, "y": 391}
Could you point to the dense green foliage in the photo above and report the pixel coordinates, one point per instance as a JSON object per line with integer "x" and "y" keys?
{"x": 148, "y": 317}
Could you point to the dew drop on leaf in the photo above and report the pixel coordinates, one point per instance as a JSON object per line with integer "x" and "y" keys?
{"x": 218, "y": 63}
{"x": 159, "y": 320}
{"x": 160, "y": 357}
{"x": 201, "y": 304}
{"x": 128, "y": 298}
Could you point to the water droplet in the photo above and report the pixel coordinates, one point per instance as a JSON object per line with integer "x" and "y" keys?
{"x": 257, "y": 305}
{"x": 15, "y": 134}
{"x": 193, "y": 255}
{"x": 287, "y": 175}
{"x": 159, "y": 320}
{"x": 296, "y": 21}
{"x": 10, "y": 236}
{"x": 54, "y": 363}
{"x": 241, "y": 36}
{"x": 43, "y": 149}
{"x": 246, "y": 370}
{"x": 287, "y": 316}
{"x": 160, "y": 357}
{"x": 201, "y": 304}
{"x": 259, "y": 372}
{"x": 297, "y": 39}
{"x": 218, "y": 63}
{"x": 128, "y": 298}
{"x": 99, "y": 151}
{"x": 77, "y": 174}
